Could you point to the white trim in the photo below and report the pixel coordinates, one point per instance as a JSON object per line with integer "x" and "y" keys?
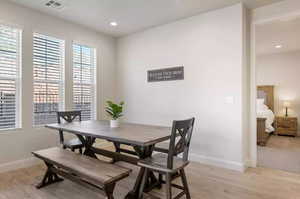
{"x": 11, "y": 24}
{"x": 248, "y": 163}
{"x": 49, "y": 32}
{"x": 294, "y": 14}
{"x": 253, "y": 133}
{"x": 233, "y": 165}
{"x": 17, "y": 78}
{"x": 93, "y": 83}
{"x": 94, "y": 103}
{"x": 84, "y": 43}
{"x": 18, "y": 164}
{"x": 19, "y": 84}
{"x": 60, "y": 82}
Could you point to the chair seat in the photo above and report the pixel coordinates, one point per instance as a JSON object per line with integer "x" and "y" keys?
{"x": 159, "y": 162}
{"x": 73, "y": 143}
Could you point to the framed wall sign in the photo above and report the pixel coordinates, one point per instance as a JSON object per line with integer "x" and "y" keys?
{"x": 166, "y": 74}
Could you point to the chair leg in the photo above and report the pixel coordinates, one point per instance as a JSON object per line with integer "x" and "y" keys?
{"x": 144, "y": 181}
{"x": 168, "y": 186}
{"x": 185, "y": 184}
{"x": 117, "y": 148}
{"x": 160, "y": 178}
{"x": 80, "y": 150}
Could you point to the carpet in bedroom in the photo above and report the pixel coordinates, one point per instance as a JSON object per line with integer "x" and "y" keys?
{"x": 281, "y": 152}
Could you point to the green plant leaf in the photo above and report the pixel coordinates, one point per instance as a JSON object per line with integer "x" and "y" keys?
{"x": 114, "y": 110}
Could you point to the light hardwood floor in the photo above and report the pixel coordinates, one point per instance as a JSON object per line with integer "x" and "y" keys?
{"x": 206, "y": 182}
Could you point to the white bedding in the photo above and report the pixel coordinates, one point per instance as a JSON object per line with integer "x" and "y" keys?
{"x": 263, "y": 111}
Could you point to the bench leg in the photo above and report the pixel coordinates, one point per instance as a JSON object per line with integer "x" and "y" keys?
{"x": 49, "y": 177}
{"x": 109, "y": 191}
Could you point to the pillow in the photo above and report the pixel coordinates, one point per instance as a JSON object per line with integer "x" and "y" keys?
{"x": 264, "y": 107}
{"x": 260, "y": 102}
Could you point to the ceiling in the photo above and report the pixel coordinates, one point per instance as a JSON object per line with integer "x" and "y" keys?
{"x": 132, "y": 15}
{"x": 284, "y": 32}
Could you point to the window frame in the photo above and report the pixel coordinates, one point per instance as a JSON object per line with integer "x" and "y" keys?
{"x": 94, "y": 75}
{"x": 62, "y": 82}
{"x": 17, "y": 79}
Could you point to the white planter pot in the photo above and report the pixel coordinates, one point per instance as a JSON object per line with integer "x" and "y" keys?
{"x": 114, "y": 123}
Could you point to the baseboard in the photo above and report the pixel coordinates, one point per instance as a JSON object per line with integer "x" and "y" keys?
{"x": 10, "y": 166}
{"x": 250, "y": 163}
{"x": 19, "y": 164}
{"x": 237, "y": 166}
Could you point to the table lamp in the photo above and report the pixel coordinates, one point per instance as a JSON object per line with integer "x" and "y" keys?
{"x": 286, "y": 104}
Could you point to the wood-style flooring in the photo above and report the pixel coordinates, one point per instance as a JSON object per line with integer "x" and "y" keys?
{"x": 206, "y": 182}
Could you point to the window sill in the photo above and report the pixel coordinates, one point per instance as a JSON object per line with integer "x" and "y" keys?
{"x": 42, "y": 126}
{"x": 9, "y": 131}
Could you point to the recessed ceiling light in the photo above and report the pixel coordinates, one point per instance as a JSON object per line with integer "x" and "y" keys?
{"x": 278, "y": 46}
{"x": 113, "y": 23}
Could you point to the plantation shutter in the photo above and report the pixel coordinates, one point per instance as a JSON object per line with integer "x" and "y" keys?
{"x": 84, "y": 62}
{"x": 48, "y": 67}
{"x": 9, "y": 77}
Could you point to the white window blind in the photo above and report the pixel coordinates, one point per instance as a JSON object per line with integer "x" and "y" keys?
{"x": 9, "y": 77}
{"x": 84, "y": 63}
{"x": 48, "y": 68}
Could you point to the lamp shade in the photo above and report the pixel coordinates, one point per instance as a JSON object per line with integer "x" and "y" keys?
{"x": 287, "y": 104}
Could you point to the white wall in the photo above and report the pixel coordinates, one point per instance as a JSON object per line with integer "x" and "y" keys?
{"x": 211, "y": 47}
{"x": 281, "y": 70}
{"x": 17, "y": 144}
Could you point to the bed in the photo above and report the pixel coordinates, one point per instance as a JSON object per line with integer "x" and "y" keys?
{"x": 265, "y": 113}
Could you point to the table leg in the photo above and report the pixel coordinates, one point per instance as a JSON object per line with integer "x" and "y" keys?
{"x": 143, "y": 152}
{"x": 88, "y": 143}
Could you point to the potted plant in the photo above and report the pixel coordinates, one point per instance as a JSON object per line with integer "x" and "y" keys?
{"x": 115, "y": 112}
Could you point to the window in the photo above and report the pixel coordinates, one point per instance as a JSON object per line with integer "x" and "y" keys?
{"x": 48, "y": 84}
{"x": 84, "y": 62}
{"x": 9, "y": 77}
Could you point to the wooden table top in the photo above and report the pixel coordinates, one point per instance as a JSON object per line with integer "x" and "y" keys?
{"x": 127, "y": 133}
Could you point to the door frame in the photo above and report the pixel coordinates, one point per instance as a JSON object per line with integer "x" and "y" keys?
{"x": 253, "y": 84}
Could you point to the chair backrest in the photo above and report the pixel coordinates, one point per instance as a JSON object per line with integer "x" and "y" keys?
{"x": 182, "y": 129}
{"x": 68, "y": 116}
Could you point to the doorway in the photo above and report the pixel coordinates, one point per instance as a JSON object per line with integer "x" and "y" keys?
{"x": 277, "y": 91}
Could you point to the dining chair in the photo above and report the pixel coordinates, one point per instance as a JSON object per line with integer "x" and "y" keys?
{"x": 163, "y": 147}
{"x": 69, "y": 116}
{"x": 169, "y": 164}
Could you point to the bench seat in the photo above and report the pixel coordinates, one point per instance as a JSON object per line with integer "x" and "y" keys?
{"x": 81, "y": 168}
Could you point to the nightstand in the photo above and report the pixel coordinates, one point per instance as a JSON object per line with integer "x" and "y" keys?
{"x": 286, "y": 125}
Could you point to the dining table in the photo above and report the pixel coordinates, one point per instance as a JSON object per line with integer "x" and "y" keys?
{"x": 142, "y": 138}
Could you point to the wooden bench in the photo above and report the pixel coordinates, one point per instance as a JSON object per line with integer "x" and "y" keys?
{"x": 89, "y": 172}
